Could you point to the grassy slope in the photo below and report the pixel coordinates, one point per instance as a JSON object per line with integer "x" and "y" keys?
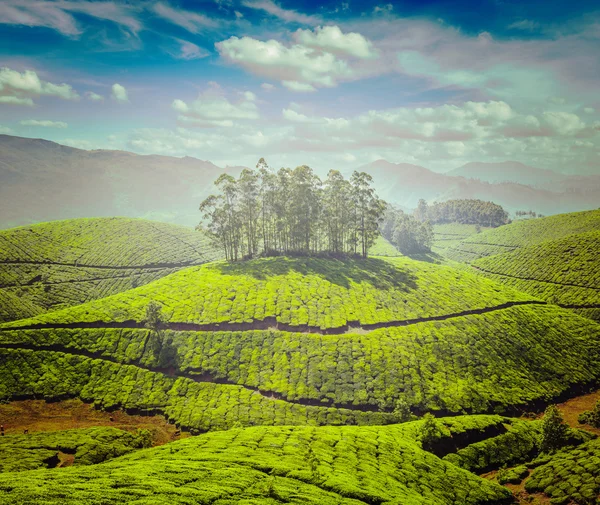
{"x": 523, "y": 233}
{"x": 382, "y": 247}
{"x": 316, "y": 292}
{"x": 503, "y": 359}
{"x": 88, "y": 446}
{"x": 449, "y": 235}
{"x": 349, "y": 465}
{"x": 63, "y": 263}
{"x": 563, "y": 271}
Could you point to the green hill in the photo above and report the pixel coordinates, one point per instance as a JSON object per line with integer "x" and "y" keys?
{"x": 506, "y": 360}
{"x": 564, "y": 271}
{"x": 63, "y": 263}
{"x": 303, "y": 293}
{"x": 326, "y": 465}
{"x": 449, "y": 235}
{"x": 522, "y": 234}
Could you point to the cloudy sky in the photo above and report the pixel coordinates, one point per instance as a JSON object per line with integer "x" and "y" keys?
{"x": 329, "y": 84}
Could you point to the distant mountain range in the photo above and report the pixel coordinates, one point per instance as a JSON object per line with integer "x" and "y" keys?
{"x": 514, "y": 189}
{"x": 42, "y": 181}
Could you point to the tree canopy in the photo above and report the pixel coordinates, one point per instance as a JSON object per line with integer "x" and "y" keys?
{"x": 292, "y": 212}
{"x": 462, "y": 211}
{"x": 407, "y": 233}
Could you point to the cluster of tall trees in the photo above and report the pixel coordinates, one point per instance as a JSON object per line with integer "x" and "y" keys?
{"x": 264, "y": 212}
{"x": 407, "y": 233}
{"x": 462, "y": 211}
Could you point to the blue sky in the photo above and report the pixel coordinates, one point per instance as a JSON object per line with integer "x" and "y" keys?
{"x": 329, "y": 84}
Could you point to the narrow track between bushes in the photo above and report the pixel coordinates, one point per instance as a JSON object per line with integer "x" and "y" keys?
{"x": 271, "y": 323}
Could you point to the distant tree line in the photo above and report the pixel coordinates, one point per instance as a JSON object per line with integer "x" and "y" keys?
{"x": 528, "y": 213}
{"x": 408, "y": 234}
{"x": 264, "y": 212}
{"x": 462, "y": 211}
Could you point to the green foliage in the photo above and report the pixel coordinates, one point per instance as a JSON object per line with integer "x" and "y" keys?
{"x": 570, "y": 476}
{"x": 591, "y": 417}
{"x": 524, "y": 233}
{"x": 475, "y": 363}
{"x": 518, "y": 444}
{"x": 88, "y": 446}
{"x": 562, "y": 271}
{"x": 292, "y": 212}
{"x": 513, "y": 475}
{"x": 430, "y": 432}
{"x": 199, "y": 406}
{"x": 406, "y": 233}
{"x": 262, "y": 465}
{"x": 321, "y": 293}
{"x": 475, "y": 212}
{"x": 554, "y": 430}
{"x": 48, "y": 266}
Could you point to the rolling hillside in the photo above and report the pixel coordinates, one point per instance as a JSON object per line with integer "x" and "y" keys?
{"x": 341, "y": 465}
{"x": 523, "y": 233}
{"x": 306, "y": 294}
{"x": 62, "y": 263}
{"x": 305, "y": 340}
{"x": 564, "y": 271}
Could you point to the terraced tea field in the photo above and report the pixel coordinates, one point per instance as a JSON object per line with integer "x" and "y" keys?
{"x": 564, "y": 272}
{"x": 303, "y": 294}
{"x": 53, "y": 265}
{"x": 522, "y": 234}
{"x": 349, "y": 465}
{"x": 292, "y": 372}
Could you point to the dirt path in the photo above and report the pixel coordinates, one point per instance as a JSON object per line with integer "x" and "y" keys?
{"x": 271, "y": 323}
{"x": 38, "y": 415}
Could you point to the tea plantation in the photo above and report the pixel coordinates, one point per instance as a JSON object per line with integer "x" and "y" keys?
{"x": 564, "y": 272}
{"x": 477, "y": 363}
{"x": 350, "y": 465}
{"x": 522, "y": 233}
{"x": 87, "y": 446}
{"x": 294, "y": 372}
{"x": 313, "y": 293}
{"x": 53, "y": 265}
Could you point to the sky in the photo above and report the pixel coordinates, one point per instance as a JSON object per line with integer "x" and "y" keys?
{"x": 330, "y": 84}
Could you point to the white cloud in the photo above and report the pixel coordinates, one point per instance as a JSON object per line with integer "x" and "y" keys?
{"x": 14, "y": 100}
{"x": 589, "y": 110}
{"x": 44, "y": 123}
{"x": 211, "y": 109}
{"x": 191, "y": 21}
{"x": 190, "y": 51}
{"x": 21, "y": 88}
{"x": 119, "y": 93}
{"x": 94, "y": 97}
{"x": 57, "y": 14}
{"x": 301, "y": 87}
{"x": 298, "y": 67}
{"x": 287, "y": 15}
{"x": 383, "y": 9}
{"x": 564, "y": 123}
{"x": 525, "y": 25}
{"x": 267, "y": 86}
{"x": 331, "y": 38}
{"x": 5, "y": 130}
